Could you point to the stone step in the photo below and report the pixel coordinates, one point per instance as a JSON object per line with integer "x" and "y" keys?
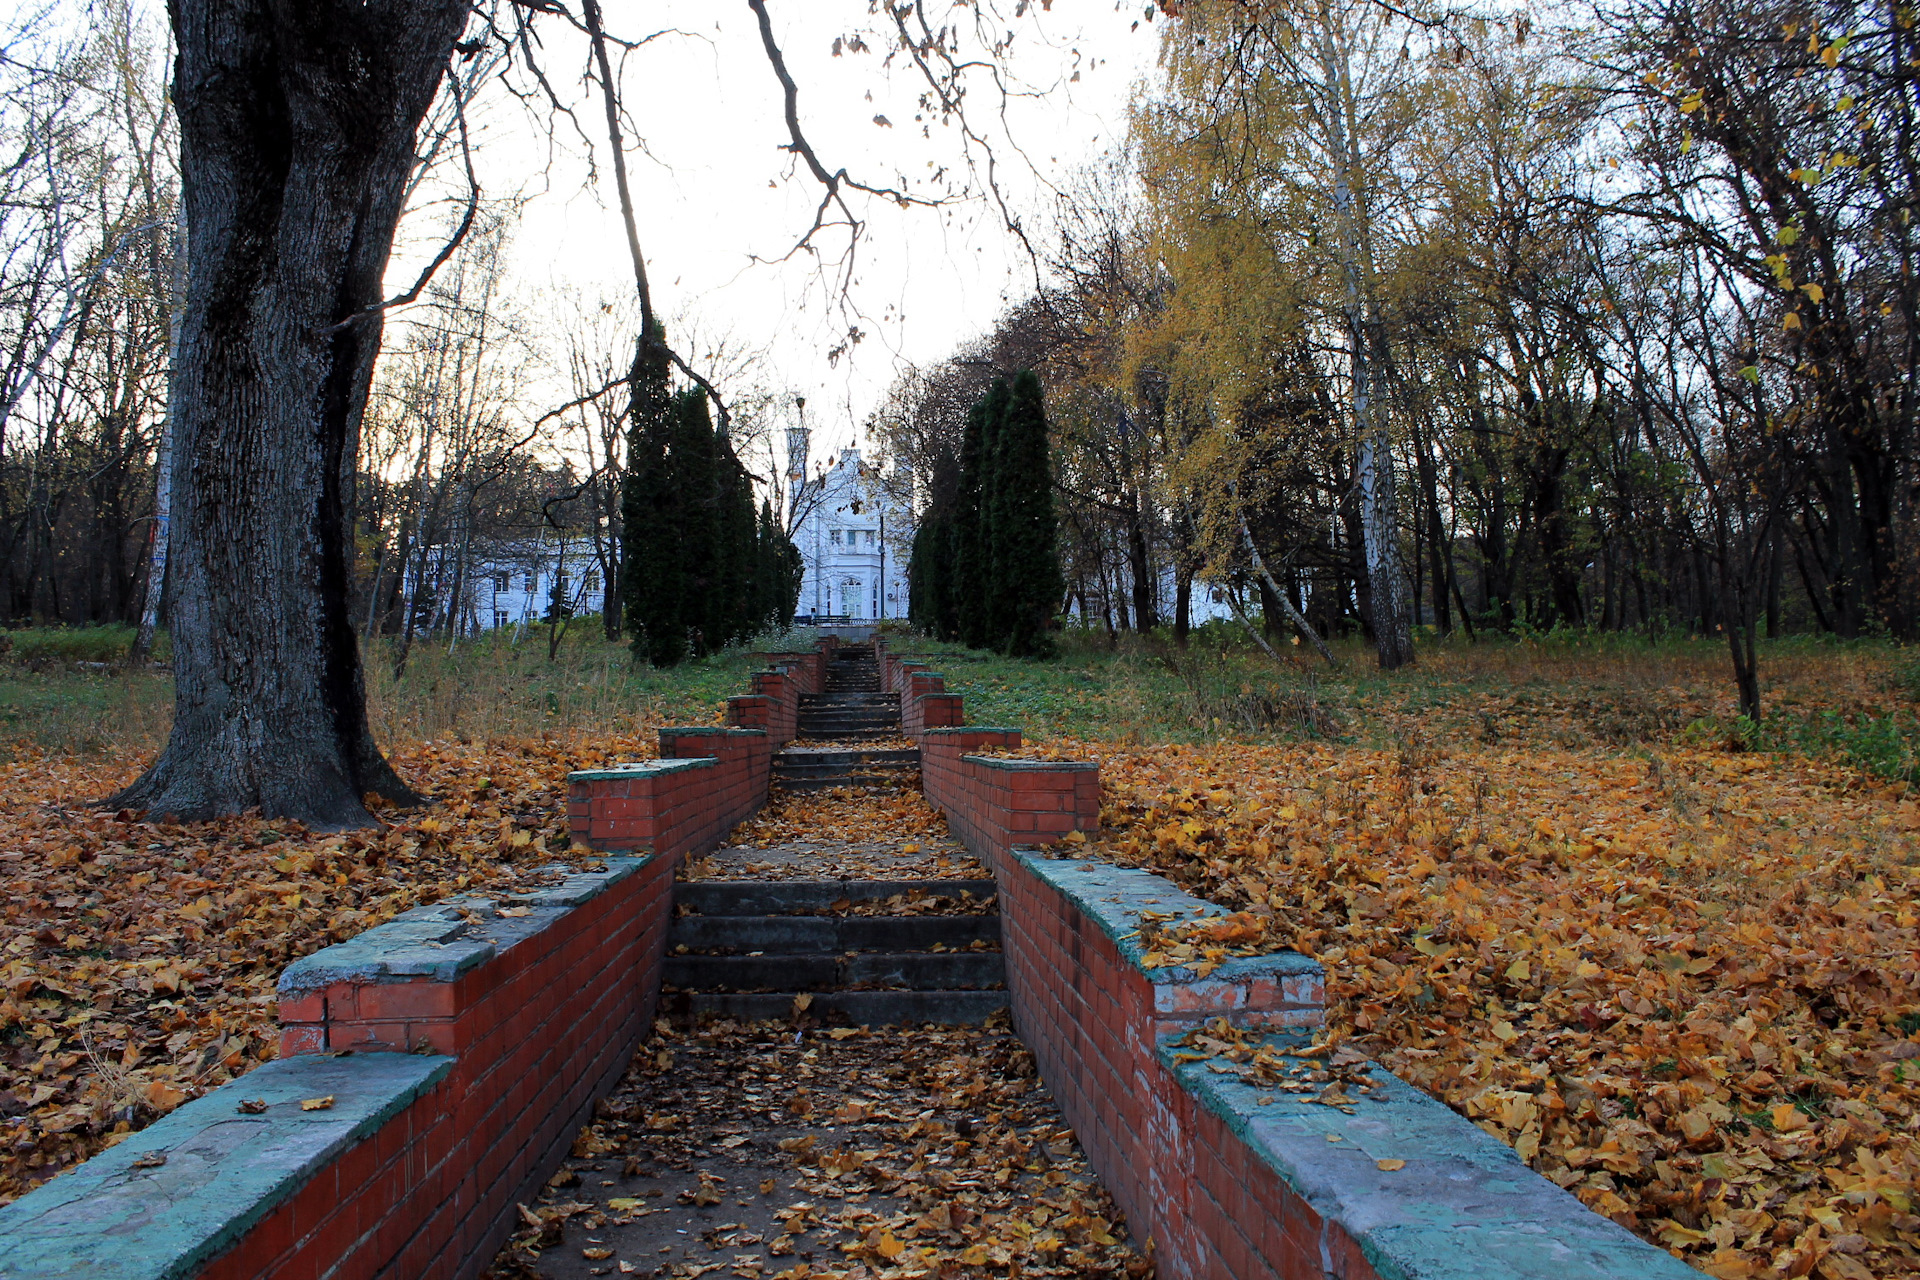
{"x": 888, "y": 782}
{"x": 827, "y": 730}
{"x": 816, "y": 772}
{"x": 800, "y": 759}
{"x": 823, "y": 701}
{"x": 818, "y": 728}
{"x": 911, "y": 970}
{"x": 830, "y": 935}
{"x": 801, "y": 897}
{"x": 863, "y": 1008}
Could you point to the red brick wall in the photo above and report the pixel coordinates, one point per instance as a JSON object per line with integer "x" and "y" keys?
{"x": 1094, "y": 1019}
{"x": 774, "y": 704}
{"x": 996, "y": 804}
{"x": 707, "y": 782}
{"x": 924, "y": 702}
{"x": 539, "y": 1031}
{"x": 746, "y": 769}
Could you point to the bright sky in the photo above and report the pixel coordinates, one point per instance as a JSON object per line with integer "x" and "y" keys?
{"x": 716, "y": 190}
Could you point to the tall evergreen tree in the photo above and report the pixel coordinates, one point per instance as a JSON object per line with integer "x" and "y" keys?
{"x": 652, "y": 582}
{"x": 695, "y": 469}
{"x": 737, "y": 551}
{"x": 1026, "y": 569}
{"x": 974, "y": 586}
{"x": 930, "y": 569}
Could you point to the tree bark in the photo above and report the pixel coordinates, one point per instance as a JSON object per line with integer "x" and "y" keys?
{"x": 297, "y": 134}
{"x": 1392, "y": 632}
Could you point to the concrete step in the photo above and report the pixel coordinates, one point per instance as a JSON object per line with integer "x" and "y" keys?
{"x": 867, "y": 782}
{"x": 862, "y": 1008}
{"x": 801, "y": 760}
{"x": 806, "y": 897}
{"x": 803, "y": 773}
{"x": 830, "y": 935}
{"x": 911, "y": 970}
{"x": 858, "y": 730}
{"x": 817, "y": 701}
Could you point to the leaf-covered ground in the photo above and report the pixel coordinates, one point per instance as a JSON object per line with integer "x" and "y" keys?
{"x": 141, "y": 958}
{"x": 1684, "y": 984}
{"x": 803, "y": 1152}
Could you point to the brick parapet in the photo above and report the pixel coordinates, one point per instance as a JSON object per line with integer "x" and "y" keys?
{"x": 1234, "y": 1180}
{"x": 481, "y": 1030}
{"x": 924, "y": 700}
{"x": 994, "y": 803}
{"x": 709, "y": 780}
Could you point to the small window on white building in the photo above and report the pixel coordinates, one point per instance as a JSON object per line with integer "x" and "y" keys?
{"x": 593, "y": 581}
{"x": 499, "y": 582}
{"x": 869, "y": 538}
{"x": 833, "y": 536}
{"x": 499, "y": 617}
{"x": 533, "y": 582}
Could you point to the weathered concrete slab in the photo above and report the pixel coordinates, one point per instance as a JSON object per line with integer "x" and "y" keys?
{"x": 1464, "y": 1207}
{"x": 224, "y": 1171}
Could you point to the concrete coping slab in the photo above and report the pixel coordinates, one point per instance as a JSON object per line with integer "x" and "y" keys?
{"x": 1022, "y": 764}
{"x": 970, "y": 728}
{"x": 442, "y": 941}
{"x": 1464, "y": 1206}
{"x": 712, "y": 731}
{"x": 1118, "y": 898}
{"x": 224, "y": 1170}
{"x": 642, "y": 768}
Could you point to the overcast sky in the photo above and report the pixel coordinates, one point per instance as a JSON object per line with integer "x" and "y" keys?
{"x": 714, "y": 189}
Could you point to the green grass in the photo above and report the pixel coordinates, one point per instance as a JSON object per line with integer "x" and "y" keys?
{"x": 1852, "y": 702}
{"x": 483, "y": 688}
{"x": 1826, "y": 698}
{"x": 42, "y": 646}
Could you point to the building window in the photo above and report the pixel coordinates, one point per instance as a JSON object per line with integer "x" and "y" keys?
{"x": 499, "y": 617}
{"x": 533, "y": 582}
{"x": 593, "y": 581}
{"x": 499, "y": 582}
{"x": 834, "y": 537}
{"x": 869, "y": 537}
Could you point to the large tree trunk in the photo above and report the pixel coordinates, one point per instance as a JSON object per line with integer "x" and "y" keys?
{"x": 297, "y": 122}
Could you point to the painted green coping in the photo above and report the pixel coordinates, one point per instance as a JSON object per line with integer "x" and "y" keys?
{"x": 224, "y": 1172}
{"x": 439, "y": 943}
{"x": 1464, "y": 1208}
{"x": 1002, "y": 762}
{"x": 972, "y": 728}
{"x": 641, "y": 769}
{"x": 1116, "y": 897}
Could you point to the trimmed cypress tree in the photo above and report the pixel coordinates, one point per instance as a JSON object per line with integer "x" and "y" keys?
{"x": 736, "y": 548}
{"x": 1025, "y": 568}
{"x": 651, "y": 580}
{"x": 974, "y": 586}
{"x": 702, "y": 562}
{"x": 930, "y": 569}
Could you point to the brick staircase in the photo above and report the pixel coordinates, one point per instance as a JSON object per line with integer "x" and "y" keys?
{"x": 850, "y": 711}
{"x": 852, "y": 707}
{"x": 751, "y": 949}
{"x": 817, "y": 768}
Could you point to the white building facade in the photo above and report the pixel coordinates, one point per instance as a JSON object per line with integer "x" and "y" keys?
{"x": 854, "y": 537}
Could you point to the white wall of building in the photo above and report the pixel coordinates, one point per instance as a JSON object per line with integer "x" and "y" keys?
{"x": 853, "y": 539}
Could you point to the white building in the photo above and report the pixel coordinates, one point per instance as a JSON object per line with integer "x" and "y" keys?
{"x": 511, "y": 583}
{"x": 854, "y": 537}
